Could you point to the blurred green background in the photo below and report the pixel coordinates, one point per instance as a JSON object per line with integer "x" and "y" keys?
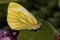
{"x": 48, "y": 10}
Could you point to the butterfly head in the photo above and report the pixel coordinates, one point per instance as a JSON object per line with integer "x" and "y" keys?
{"x": 36, "y": 26}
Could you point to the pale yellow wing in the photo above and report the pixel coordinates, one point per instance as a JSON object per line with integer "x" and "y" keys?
{"x": 19, "y": 18}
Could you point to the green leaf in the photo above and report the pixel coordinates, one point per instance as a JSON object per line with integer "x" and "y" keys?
{"x": 46, "y": 32}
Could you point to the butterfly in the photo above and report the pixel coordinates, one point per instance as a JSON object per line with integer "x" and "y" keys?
{"x": 19, "y": 18}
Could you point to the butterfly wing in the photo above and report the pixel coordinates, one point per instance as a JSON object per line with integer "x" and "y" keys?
{"x": 19, "y": 18}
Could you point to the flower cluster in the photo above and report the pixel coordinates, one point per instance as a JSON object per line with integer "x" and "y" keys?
{"x": 8, "y": 35}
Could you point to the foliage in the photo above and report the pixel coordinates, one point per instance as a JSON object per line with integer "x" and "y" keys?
{"x": 46, "y": 32}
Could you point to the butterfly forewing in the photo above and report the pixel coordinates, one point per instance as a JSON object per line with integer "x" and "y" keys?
{"x": 19, "y": 18}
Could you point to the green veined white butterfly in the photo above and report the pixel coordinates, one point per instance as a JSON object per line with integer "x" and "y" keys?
{"x": 19, "y": 18}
